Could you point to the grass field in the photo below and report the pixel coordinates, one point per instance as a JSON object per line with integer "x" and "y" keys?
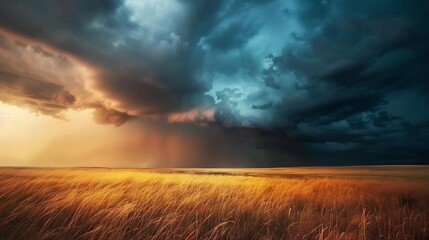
{"x": 377, "y": 202}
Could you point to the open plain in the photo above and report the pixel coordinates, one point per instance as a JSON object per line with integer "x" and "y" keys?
{"x": 368, "y": 202}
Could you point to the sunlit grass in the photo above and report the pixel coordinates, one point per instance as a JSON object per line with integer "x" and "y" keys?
{"x": 133, "y": 204}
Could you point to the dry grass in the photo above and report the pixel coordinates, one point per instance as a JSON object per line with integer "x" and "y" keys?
{"x": 213, "y": 204}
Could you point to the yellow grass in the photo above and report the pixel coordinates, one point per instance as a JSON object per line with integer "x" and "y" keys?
{"x": 292, "y": 203}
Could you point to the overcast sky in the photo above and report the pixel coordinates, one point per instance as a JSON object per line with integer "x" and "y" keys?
{"x": 214, "y": 83}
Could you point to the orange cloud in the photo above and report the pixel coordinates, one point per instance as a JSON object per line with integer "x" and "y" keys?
{"x": 196, "y": 116}
{"x": 47, "y": 81}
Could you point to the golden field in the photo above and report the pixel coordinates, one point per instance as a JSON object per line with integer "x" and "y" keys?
{"x": 377, "y": 202}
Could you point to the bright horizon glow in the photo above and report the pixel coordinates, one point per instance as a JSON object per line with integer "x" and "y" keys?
{"x": 26, "y": 136}
{"x": 31, "y": 139}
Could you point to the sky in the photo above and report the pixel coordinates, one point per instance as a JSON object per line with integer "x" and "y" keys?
{"x": 180, "y": 83}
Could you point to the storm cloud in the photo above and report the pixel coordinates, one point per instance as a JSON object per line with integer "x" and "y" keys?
{"x": 327, "y": 82}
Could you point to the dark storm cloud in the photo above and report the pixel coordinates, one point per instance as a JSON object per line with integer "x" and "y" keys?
{"x": 320, "y": 81}
{"x": 145, "y": 75}
{"x": 350, "y": 66}
{"x": 270, "y": 82}
{"x": 232, "y": 36}
{"x": 264, "y": 106}
{"x": 340, "y": 82}
{"x": 47, "y": 98}
{"x": 104, "y": 115}
{"x": 30, "y": 78}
